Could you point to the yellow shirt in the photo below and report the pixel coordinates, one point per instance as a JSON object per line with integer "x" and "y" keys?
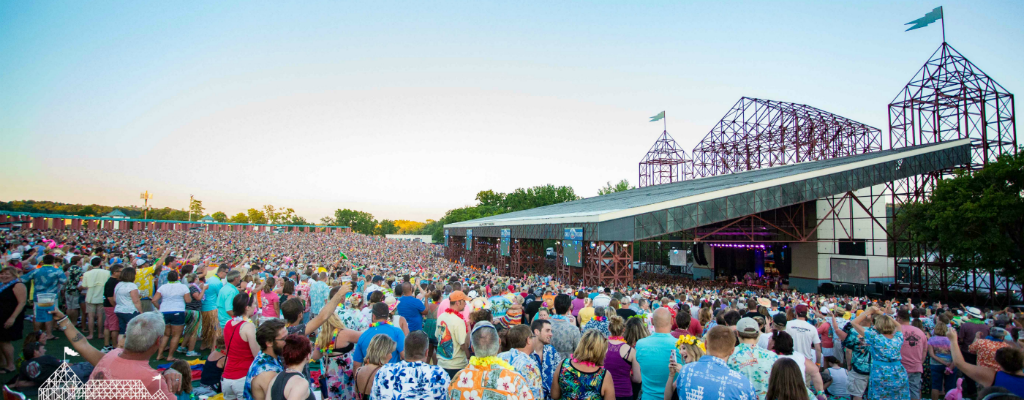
{"x": 586, "y": 314}
{"x": 144, "y": 280}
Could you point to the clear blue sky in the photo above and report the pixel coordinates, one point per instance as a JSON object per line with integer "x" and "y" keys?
{"x": 407, "y": 109}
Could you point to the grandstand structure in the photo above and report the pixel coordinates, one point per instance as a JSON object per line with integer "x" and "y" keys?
{"x": 815, "y": 190}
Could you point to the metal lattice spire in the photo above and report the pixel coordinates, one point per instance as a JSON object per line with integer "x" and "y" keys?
{"x": 62, "y": 385}
{"x": 665, "y": 162}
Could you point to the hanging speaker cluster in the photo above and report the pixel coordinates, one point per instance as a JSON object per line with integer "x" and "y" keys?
{"x": 698, "y": 254}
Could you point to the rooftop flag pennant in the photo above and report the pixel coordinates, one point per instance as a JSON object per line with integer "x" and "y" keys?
{"x": 70, "y": 352}
{"x": 658, "y": 117}
{"x": 927, "y": 19}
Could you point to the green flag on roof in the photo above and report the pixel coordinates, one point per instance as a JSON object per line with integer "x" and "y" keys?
{"x": 927, "y": 19}
{"x": 658, "y": 117}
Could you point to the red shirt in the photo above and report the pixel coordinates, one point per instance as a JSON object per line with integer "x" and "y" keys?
{"x": 112, "y": 366}
{"x": 239, "y": 355}
{"x": 695, "y": 328}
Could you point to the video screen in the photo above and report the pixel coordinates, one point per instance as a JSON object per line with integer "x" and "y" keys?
{"x": 848, "y": 270}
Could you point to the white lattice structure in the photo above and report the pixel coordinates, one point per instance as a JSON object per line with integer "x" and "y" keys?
{"x": 62, "y": 385}
{"x": 103, "y": 389}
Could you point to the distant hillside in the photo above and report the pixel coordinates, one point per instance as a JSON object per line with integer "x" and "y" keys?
{"x": 50, "y": 207}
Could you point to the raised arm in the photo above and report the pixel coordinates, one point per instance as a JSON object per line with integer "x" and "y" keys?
{"x": 78, "y": 341}
{"x": 982, "y": 375}
{"x": 328, "y": 309}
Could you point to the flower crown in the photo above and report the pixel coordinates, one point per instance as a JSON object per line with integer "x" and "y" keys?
{"x": 690, "y": 340}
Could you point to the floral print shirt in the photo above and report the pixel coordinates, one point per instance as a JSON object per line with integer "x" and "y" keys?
{"x": 491, "y": 383}
{"x": 600, "y": 326}
{"x": 262, "y": 363}
{"x": 318, "y": 293}
{"x": 986, "y": 351}
{"x": 410, "y": 381}
{"x": 547, "y": 364}
{"x": 527, "y": 367}
{"x": 47, "y": 279}
{"x": 709, "y": 378}
{"x": 352, "y": 318}
{"x": 755, "y": 363}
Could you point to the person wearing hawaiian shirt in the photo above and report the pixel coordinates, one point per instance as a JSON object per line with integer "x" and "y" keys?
{"x": 48, "y": 278}
{"x": 544, "y": 354}
{"x": 520, "y": 339}
{"x": 709, "y": 377}
{"x": 750, "y": 360}
{"x": 487, "y": 376}
{"x": 411, "y": 378}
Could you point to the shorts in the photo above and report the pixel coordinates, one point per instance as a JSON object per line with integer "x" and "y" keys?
{"x": 174, "y": 318}
{"x": 71, "y": 301}
{"x": 857, "y": 384}
{"x": 233, "y": 388}
{"x": 110, "y": 320}
{"x": 915, "y": 384}
{"x": 93, "y": 308}
{"x": 941, "y": 381}
{"x": 122, "y": 321}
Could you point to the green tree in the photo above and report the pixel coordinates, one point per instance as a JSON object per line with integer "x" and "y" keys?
{"x": 196, "y": 207}
{"x": 622, "y": 186}
{"x": 219, "y": 217}
{"x": 327, "y": 221}
{"x": 296, "y": 220}
{"x": 87, "y": 211}
{"x": 975, "y": 218}
{"x": 257, "y": 216}
{"x": 240, "y": 218}
{"x": 386, "y": 227}
{"x": 359, "y": 221}
{"x": 538, "y": 196}
{"x": 490, "y": 198}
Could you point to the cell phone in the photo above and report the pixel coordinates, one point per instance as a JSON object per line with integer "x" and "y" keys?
{"x": 674, "y": 357}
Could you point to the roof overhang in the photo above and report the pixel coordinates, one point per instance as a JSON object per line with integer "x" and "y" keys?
{"x": 679, "y": 207}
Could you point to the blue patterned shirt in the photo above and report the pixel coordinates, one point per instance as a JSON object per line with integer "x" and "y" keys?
{"x": 318, "y": 293}
{"x": 547, "y": 365}
{"x": 600, "y": 326}
{"x": 47, "y": 279}
{"x": 410, "y": 381}
{"x": 262, "y": 363}
{"x": 861, "y": 359}
{"x": 710, "y": 379}
{"x": 527, "y": 367}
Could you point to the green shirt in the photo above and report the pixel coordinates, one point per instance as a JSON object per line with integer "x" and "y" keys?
{"x": 225, "y": 299}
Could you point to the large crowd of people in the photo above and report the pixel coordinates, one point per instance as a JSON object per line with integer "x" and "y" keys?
{"x": 347, "y": 316}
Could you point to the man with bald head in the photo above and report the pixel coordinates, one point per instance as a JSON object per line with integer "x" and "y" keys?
{"x": 653, "y": 355}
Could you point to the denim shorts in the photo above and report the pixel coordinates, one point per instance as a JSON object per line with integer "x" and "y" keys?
{"x": 941, "y": 381}
{"x": 122, "y": 321}
{"x": 175, "y": 318}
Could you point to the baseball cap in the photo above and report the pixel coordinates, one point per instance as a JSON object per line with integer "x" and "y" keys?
{"x": 747, "y": 325}
{"x": 801, "y": 308}
{"x": 457, "y": 296}
{"x": 780, "y": 319}
{"x": 377, "y": 278}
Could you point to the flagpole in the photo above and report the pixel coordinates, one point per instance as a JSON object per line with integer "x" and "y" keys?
{"x": 942, "y": 15}
{"x": 664, "y": 121}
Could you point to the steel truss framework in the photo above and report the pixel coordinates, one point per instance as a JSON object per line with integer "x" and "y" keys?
{"x": 759, "y": 133}
{"x": 665, "y": 162}
{"x": 526, "y": 255}
{"x": 948, "y": 99}
{"x": 604, "y": 263}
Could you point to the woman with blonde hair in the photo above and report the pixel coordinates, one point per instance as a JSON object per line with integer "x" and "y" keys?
{"x": 582, "y": 375}
{"x": 690, "y": 348}
{"x": 336, "y": 344}
{"x": 378, "y": 353}
{"x": 705, "y": 317}
{"x": 888, "y": 378}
